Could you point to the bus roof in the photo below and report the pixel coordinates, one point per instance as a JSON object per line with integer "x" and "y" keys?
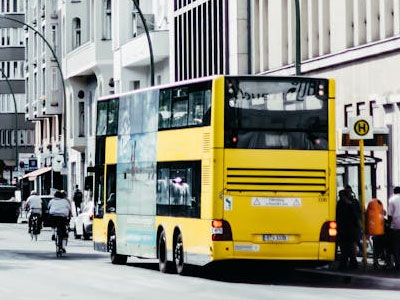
{"x": 158, "y": 87}
{"x": 197, "y": 80}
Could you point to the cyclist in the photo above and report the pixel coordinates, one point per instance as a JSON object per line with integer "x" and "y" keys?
{"x": 60, "y": 212}
{"x": 34, "y": 207}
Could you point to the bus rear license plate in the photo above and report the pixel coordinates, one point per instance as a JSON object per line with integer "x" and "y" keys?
{"x": 275, "y": 238}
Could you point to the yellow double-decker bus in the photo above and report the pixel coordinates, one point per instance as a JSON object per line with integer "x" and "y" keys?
{"x": 222, "y": 168}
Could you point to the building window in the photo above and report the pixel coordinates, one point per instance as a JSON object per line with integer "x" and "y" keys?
{"x": 134, "y": 85}
{"x": 54, "y": 36}
{"x": 107, "y": 20}
{"x": 81, "y": 119}
{"x": 135, "y": 18}
{"x": 76, "y": 33}
{"x": 43, "y": 82}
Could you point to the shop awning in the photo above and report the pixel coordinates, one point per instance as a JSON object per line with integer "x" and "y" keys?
{"x": 32, "y": 175}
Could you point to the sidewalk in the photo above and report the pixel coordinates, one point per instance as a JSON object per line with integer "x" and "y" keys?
{"x": 374, "y": 278}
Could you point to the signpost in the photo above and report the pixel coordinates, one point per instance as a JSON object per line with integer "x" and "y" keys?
{"x": 361, "y": 129}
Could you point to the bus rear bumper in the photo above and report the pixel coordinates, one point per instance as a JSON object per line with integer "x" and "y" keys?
{"x": 307, "y": 251}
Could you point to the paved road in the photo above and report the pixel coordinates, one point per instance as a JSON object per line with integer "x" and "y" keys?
{"x": 30, "y": 270}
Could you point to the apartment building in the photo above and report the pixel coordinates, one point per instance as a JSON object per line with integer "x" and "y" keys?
{"x": 44, "y": 97}
{"x": 356, "y": 42}
{"x": 12, "y": 58}
{"x": 87, "y": 61}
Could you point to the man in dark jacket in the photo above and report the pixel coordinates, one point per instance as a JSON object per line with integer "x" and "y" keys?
{"x": 78, "y": 196}
{"x": 348, "y": 229}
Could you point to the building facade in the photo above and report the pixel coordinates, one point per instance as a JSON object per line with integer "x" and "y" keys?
{"x": 88, "y": 70}
{"x": 356, "y": 42}
{"x": 12, "y": 56}
{"x": 105, "y": 52}
{"x": 130, "y": 46}
{"x": 100, "y": 55}
{"x": 44, "y": 97}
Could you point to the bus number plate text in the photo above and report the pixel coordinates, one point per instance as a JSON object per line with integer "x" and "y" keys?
{"x": 275, "y": 238}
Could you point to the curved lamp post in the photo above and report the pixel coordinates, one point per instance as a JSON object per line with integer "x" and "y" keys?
{"x": 298, "y": 40}
{"x": 62, "y": 81}
{"x": 16, "y": 117}
{"x": 148, "y": 41}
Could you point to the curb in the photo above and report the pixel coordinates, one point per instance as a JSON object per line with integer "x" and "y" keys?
{"x": 366, "y": 280}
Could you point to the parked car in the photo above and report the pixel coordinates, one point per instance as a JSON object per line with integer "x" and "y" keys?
{"x": 84, "y": 221}
{"x": 9, "y": 204}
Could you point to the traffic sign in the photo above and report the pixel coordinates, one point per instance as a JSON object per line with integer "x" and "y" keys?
{"x": 361, "y": 128}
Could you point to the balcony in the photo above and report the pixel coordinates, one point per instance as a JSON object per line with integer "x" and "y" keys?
{"x": 78, "y": 143}
{"x": 87, "y": 58}
{"x": 135, "y": 53}
{"x": 52, "y": 103}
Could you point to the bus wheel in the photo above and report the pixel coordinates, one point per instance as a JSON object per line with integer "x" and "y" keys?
{"x": 179, "y": 254}
{"x": 162, "y": 253}
{"x": 116, "y": 259}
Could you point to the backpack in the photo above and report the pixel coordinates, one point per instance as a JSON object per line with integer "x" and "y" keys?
{"x": 78, "y": 196}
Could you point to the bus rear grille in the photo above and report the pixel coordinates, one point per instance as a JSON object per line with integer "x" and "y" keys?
{"x": 276, "y": 180}
{"x": 206, "y": 175}
{"x": 206, "y": 142}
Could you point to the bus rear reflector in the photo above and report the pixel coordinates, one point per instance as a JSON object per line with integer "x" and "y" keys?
{"x": 221, "y": 230}
{"x": 328, "y": 232}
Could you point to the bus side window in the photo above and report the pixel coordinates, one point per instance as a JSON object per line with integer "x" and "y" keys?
{"x": 178, "y": 189}
{"x": 99, "y": 192}
{"x": 111, "y": 188}
{"x": 164, "y": 115}
{"x": 196, "y": 108}
{"x": 180, "y": 113}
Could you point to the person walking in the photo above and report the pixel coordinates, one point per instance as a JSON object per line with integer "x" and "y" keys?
{"x": 394, "y": 221}
{"x": 357, "y": 208}
{"x": 348, "y": 230}
{"x": 77, "y": 198}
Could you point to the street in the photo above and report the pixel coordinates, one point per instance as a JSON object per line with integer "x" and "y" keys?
{"x": 30, "y": 270}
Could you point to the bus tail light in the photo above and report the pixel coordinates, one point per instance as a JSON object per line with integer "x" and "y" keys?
{"x": 221, "y": 230}
{"x": 328, "y": 232}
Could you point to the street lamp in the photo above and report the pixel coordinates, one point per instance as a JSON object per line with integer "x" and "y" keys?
{"x": 16, "y": 117}
{"x": 62, "y": 81}
{"x": 298, "y": 40}
{"x": 148, "y": 41}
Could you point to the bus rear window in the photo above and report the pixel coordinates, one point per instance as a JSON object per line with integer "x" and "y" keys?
{"x": 276, "y": 114}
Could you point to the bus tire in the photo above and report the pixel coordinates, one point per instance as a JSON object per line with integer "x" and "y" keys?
{"x": 116, "y": 259}
{"x": 179, "y": 254}
{"x": 162, "y": 253}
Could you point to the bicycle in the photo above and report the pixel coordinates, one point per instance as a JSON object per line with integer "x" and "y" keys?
{"x": 61, "y": 235}
{"x": 34, "y": 227}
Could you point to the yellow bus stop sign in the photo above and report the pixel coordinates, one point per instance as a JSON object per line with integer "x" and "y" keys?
{"x": 361, "y": 128}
